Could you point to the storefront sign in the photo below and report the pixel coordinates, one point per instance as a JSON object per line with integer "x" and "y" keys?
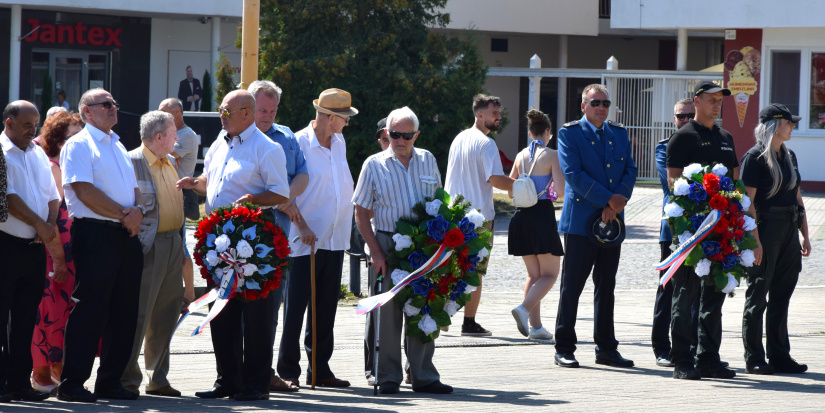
{"x": 72, "y": 34}
{"x": 743, "y": 67}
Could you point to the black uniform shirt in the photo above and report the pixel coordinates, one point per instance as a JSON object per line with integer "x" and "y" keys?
{"x": 756, "y": 174}
{"x": 694, "y": 143}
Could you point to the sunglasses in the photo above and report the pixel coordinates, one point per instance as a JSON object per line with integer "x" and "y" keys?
{"x": 683, "y": 116}
{"x": 227, "y": 113}
{"x": 596, "y": 102}
{"x": 408, "y": 136}
{"x": 106, "y": 105}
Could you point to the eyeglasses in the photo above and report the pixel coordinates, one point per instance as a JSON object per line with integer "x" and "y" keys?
{"x": 408, "y": 136}
{"x": 107, "y": 104}
{"x": 683, "y": 116}
{"x": 596, "y": 102}
{"x": 227, "y": 113}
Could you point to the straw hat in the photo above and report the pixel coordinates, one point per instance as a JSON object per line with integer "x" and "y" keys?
{"x": 335, "y": 102}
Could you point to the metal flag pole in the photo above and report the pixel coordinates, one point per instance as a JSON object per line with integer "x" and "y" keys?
{"x": 377, "y": 320}
{"x": 314, "y": 325}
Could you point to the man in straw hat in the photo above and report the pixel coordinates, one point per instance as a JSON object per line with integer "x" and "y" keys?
{"x": 326, "y": 213}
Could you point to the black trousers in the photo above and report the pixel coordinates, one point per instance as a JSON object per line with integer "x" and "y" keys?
{"x": 243, "y": 352}
{"x": 108, "y": 266}
{"x": 328, "y": 266}
{"x": 686, "y": 287}
{"x": 662, "y": 308}
{"x": 775, "y": 276}
{"x": 22, "y": 277}
{"x": 582, "y": 256}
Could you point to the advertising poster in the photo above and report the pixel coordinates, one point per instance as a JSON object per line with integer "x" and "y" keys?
{"x": 743, "y": 70}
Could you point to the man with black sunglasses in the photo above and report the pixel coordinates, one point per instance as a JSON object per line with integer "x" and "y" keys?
{"x": 473, "y": 170}
{"x": 595, "y": 158}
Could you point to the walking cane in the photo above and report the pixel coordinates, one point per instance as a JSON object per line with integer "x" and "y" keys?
{"x": 314, "y": 335}
{"x": 377, "y": 321}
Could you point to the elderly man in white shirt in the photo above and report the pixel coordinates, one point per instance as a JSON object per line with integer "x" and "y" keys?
{"x": 103, "y": 198}
{"x": 326, "y": 211}
{"x": 242, "y": 165}
{"x": 33, "y": 201}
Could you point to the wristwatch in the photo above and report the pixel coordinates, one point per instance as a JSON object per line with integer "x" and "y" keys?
{"x": 142, "y": 209}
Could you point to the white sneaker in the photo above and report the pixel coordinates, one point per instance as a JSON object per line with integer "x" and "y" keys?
{"x": 521, "y": 315}
{"x": 540, "y": 334}
{"x": 371, "y": 380}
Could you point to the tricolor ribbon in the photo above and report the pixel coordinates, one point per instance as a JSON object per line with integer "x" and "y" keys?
{"x": 677, "y": 258}
{"x": 371, "y": 303}
{"x": 221, "y": 294}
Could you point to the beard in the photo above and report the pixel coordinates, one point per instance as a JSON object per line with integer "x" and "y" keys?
{"x": 491, "y": 125}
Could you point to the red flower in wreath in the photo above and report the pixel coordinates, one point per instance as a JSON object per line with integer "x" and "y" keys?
{"x": 454, "y": 238}
{"x": 719, "y": 202}
{"x": 711, "y": 183}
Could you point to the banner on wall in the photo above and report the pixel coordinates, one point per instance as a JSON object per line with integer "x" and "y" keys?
{"x": 743, "y": 69}
{"x": 179, "y": 60}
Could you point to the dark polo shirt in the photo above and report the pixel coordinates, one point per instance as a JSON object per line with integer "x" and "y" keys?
{"x": 694, "y": 143}
{"x": 757, "y": 174}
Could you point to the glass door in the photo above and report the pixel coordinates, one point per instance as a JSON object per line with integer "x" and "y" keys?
{"x": 74, "y": 72}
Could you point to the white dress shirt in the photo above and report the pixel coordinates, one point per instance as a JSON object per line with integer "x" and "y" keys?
{"x": 326, "y": 203}
{"x": 249, "y": 164}
{"x": 473, "y": 160}
{"x": 100, "y": 159}
{"x": 30, "y": 177}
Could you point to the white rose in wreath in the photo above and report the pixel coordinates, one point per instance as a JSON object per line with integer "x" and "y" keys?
{"x": 409, "y": 309}
{"x": 684, "y": 237}
{"x": 475, "y": 217}
{"x": 483, "y": 253}
{"x": 451, "y": 307}
{"x": 732, "y": 284}
{"x": 719, "y": 170}
{"x": 672, "y": 210}
{"x": 469, "y": 289}
{"x": 681, "y": 187}
{"x": 249, "y": 269}
{"x": 746, "y": 202}
{"x": 702, "y": 267}
{"x": 427, "y": 324}
{"x": 222, "y": 243}
{"x": 212, "y": 258}
{"x": 746, "y": 258}
{"x": 244, "y": 249}
{"x": 750, "y": 223}
{"x": 398, "y": 275}
{"x": 692, "y": 169}
{"x": 402, "y": 241}
{"x": 433, "y": 206}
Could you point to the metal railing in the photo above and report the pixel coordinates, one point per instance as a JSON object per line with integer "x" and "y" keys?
{"x": 604, "y": 9}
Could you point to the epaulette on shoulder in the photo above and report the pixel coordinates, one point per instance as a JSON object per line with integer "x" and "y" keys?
{"x": 615, "y": 124}
{"x": 666, "y": 140}
{"x": 572, "y": 123}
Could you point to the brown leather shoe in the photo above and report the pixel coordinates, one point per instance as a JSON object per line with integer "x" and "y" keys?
{"x": 167, "y": 391}
{"x": 330, "y": 382}
{"x": 278, "y": 384}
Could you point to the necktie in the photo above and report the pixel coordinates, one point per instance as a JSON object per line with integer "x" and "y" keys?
{"x": 599, "y": 133}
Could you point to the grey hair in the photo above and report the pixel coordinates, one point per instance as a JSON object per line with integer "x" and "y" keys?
{"x": 54, "y": 110}
{"x": 268, "y": 88}
{"x": 174, "y": 102}
{"x": 596, "y": 88}
{"x": 86, "y": 99}
{"x": 152, "y": 123}
{"x": 401, "y": 114}
{"x": 763, "y": 133}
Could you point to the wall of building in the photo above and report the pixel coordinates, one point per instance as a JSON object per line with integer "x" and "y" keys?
{"x": 525, "y": 16}
{"x": 714, "y": 14}
{"x": 152, "y": 7}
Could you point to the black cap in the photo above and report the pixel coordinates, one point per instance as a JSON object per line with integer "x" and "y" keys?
{"x": 382, "y": 124}
{"x": 605, "y": 235}
{"x": 706, "y": 86}
{"x": 777, "y": 111}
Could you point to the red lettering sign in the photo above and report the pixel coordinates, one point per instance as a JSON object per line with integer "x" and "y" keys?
{"x": 69, "y": 34}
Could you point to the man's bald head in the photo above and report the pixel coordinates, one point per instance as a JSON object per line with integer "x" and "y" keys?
{"x": 20, "y": 120}
{"x": 174, "y": 107}
{"x": 240, "y": 107}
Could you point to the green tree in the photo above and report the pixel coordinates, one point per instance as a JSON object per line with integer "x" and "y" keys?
{"x": 226, "y": 83}
{"x": 384, "y": 53}
{"x": 206, "y": 99}
{"x": 47, "y": 96}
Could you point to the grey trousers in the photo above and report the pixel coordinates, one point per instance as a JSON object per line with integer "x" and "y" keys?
{"x": 161, "y": 292}
{"x": 419, "y": 355}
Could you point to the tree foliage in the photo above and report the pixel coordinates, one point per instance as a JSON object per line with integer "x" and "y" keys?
{"x": 47, "y": 96}
{"x": 384, "y": 53}
{"x": 225, "y": 81}
{"x": 206, "y": 99}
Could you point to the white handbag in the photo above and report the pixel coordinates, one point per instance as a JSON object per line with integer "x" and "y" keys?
{"x": 524, "y": 190}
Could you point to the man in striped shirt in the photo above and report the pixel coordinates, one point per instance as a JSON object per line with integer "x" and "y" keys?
{"x": 391, "y": 182}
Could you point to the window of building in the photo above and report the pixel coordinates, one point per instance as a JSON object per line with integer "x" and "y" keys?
{"x": 797, "y": 80}
{"x": 498, "y": 45}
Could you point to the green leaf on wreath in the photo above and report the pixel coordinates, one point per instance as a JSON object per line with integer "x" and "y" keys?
{"x": 685, "y": 203}
{"x": 484, "y": 236}
{"x": 404, "y": 253}
{"x": 719, "y": 277}
{"x": 405, "y": 228}
{"x": 404, "y": 295}
{"x": 418, "y": 301}
{"x": 748, "y": 242}
{"x": 740, "y": 186}
{"x": 737, "y": 272}
{"x": 680, "y": 224}
{"x": 430, "y": 249}
{"x": 698, "y": 177}
{"x": 445, "y": 212}
{"x": 461, "y": 300}
{"x": 441, "y": 317}
{"x": 421, "y": 238}
{"x": 441, "y": 270}
{"x": 442, "y": 195}
{"x": 405, "y": 265}
{"x": 476, "y": 245}
{"x": 472, "y": 278}
{"x": 422, "y": 228}
{"x": 695, "y": 256}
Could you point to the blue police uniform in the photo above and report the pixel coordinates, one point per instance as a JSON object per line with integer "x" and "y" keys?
{"x": 596, "y": 164}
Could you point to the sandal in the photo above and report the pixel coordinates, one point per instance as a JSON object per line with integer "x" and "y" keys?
{"x": 278, "y": 384}
{"x": 48, "y": 389}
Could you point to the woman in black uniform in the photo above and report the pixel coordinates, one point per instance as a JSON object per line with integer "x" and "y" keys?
{"x": 771, "y": 177}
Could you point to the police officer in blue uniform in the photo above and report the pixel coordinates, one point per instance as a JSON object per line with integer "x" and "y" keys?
{"x": 595, "y": 157}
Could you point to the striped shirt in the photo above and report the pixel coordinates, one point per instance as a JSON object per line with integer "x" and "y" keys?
{"x": 391, "y": 190}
